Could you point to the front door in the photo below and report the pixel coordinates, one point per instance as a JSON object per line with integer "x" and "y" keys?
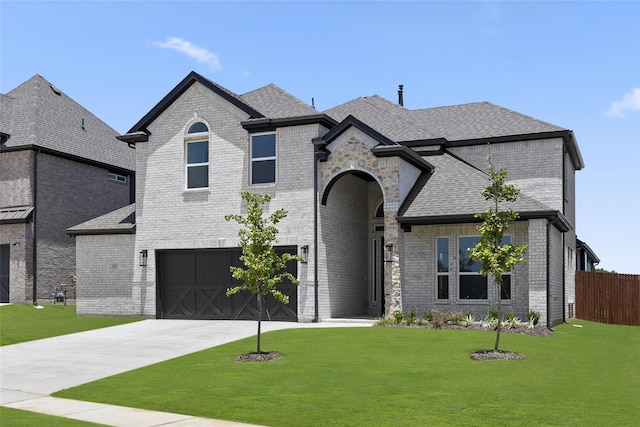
{"x": 4, "y": 273}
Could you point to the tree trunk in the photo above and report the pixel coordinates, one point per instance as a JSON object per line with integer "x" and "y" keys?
{"x": 495, "y": 348}
{"x": 259, "y": 296}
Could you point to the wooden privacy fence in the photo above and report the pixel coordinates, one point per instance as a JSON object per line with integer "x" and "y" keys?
{"x": 608, "y": 297}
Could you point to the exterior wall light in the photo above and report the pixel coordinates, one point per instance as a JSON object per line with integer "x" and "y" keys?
{"x": 143, "y": 258}
{"x": 304, "y": 252}
{"x": 388, "y": 253}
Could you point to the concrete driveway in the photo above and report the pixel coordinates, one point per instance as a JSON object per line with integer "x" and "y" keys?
{"x": 30, "y": 371}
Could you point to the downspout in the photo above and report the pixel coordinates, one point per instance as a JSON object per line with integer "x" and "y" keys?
{"x": 34, "y": 242}
{"x": 319, "y": 155}
{"x": 315, "y": 236}
{"x": 548, "y": 275}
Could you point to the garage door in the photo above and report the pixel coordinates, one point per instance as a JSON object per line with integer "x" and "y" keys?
{"x": 192, "y": 285}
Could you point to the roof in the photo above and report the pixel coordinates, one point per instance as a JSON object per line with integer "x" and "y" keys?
{"x": 37, "y": 114}
{"x": 275, "y": 103}
{"x": 472, "y": 123}
{"x": 177, "y": 91}
{"x": 15, "y": 214}
{"x": 580, "y": 245}
{"x": 453, "y": 192}
{"x": 121, "y": 221}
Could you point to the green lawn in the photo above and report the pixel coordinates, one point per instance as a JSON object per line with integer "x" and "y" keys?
{"x": 397, "y": 377}
{"x": 22, "y": 322}
{"x": 10, "y": 417}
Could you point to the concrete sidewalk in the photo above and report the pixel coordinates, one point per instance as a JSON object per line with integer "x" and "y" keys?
{"x": 31, "y": 371}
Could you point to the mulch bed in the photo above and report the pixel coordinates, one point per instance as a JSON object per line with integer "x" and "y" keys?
{"x": 263, "y": 356}
{"x": 495, "y": 355}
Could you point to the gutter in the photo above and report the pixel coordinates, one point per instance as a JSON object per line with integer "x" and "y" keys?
{"x": 34, "y": 243}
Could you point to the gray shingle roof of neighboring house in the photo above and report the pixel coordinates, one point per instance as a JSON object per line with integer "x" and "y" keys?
{"x": 275, "y": 103}
{"x": 454, "y": 191}
{"x": 121, "y": 221}
{"x": 37, "y": 114}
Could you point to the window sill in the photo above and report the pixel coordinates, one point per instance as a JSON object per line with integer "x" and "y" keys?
{"x": 196, "y": 191}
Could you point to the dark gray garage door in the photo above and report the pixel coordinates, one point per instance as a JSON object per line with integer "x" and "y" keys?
{"x": 192, "y": 285}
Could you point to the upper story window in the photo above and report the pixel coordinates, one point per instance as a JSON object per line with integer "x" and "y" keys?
{"x": 263, "y": 158}
{"x": 197, "y": 156}
{"x": 113, "y": 176}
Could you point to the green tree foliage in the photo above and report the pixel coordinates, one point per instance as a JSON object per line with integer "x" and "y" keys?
{"x": 497, "y": 258}
{"x": 263, "y": 268}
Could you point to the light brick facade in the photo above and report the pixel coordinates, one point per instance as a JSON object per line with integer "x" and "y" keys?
{"x": 332, "y": 175}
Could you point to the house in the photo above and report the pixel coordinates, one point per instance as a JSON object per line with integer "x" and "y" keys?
{"x": 381, "y": 203}
{"x": 586, "y": 257}
{"x": 59, "y": 166}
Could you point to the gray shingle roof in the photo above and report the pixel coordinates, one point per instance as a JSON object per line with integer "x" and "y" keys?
{"x": 121, "y": 221}
{"x": 454, "y": 189}
{"x": 37, "y": 113}
{"x": 454, "y": 123}
{"x": 275, "y": 103}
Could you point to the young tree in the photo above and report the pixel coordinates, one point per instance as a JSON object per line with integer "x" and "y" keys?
{"x": 497, "y": 258}
{"x": 264, "y": 269}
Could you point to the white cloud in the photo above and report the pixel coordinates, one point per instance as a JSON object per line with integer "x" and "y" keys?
{"x": 200, "y": 54}
{"x": 630, "y": 102}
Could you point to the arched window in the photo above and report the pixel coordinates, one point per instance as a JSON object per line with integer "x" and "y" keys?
{"x": 197, "y": 156}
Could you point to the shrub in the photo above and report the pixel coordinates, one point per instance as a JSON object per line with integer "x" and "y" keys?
{"x": 411, "y": 317}
{"x": 468, "y": 319}
{"x": 534, "y": 317}
{"x": 428, "y": 315}
{"x": 398, "y": 317}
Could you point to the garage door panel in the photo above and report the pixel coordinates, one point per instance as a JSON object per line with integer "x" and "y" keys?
{"x": 210, "y": 302}
{"x": 178, "y": 301}
{"x": 192, "y": 284}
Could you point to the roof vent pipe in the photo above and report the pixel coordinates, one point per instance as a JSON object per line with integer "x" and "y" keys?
{"x": 400, "y": 100}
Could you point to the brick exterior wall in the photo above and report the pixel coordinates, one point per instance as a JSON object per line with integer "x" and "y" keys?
{"x": 104, "y": 276}
{"x": 343, "y": 249}
{"x": 535, "y": 167}
{"x": 537, "y": 256}
{"x": 170, "y": 217}
{"x": 419, "y": 289}
{"x": 556, "y": 277}
{"x": 68, "y": 193}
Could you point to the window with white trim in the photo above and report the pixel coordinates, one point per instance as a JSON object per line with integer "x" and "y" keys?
{"x": 263, "y": 158}
{"x": 442, "y": 268}
{"x": 197, "y": 156}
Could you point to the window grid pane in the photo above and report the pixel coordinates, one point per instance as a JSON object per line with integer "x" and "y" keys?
{"x": 198, "y": 176}
{"x": 263, "y": 159}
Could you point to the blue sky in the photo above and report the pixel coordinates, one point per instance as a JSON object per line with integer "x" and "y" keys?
{"x": 574, "y": 64}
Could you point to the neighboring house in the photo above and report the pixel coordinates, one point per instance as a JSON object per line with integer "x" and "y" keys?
{"x": 59, "y": 166}
{"x": 381, "y": 202}
{"x": 586, "y": 257}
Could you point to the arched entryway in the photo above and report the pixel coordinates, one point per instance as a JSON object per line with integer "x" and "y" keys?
{"x": 351, "y": 230}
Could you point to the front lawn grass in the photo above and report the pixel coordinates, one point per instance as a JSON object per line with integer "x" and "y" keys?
{"x": 397, "y": 377}
{"x": 10, "y": 417}
{"x": 22, "y": 322}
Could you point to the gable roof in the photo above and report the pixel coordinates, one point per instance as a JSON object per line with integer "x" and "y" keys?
{"x": 36, "y": 114}
{"x": 120, "y": 221}
{"x": 453, "y": 192}
{"x": 472, "y": 123}
{"x": 275, "y": 103}
{"x": 185, "y": 84}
